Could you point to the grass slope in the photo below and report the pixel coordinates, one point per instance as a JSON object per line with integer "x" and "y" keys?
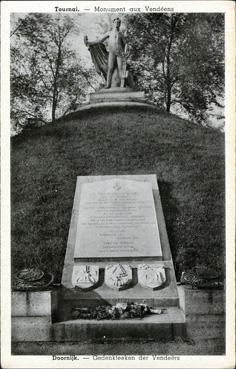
{"x": 187, "y": 159}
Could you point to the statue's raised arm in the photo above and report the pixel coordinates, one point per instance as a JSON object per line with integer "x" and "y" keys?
{"x": 89, "y": 43}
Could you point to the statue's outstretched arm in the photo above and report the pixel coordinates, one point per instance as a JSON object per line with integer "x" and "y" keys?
{"x": 88, "y": 43}
{"x": 103, "y": 38}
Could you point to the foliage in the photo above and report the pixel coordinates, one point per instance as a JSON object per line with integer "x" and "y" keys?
{"x": 178, "y": 59}
{"x": 46, "y": 76}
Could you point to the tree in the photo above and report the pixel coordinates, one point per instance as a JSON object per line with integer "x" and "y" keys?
{"x": 178, "y": 59}
{"x": 47, "y": 78}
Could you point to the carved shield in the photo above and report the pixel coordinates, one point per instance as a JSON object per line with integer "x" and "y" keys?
{"x": 118, "y": 276}
{"x": 151, "y": 276}
{"x": 85, "y": 276}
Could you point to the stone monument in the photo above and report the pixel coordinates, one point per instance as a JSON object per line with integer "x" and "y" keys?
{"x": 118, "y": 246}
{"x": 118, "y": 253}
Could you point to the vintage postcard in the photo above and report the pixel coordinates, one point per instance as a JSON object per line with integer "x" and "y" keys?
{"x": 117, "y": 184}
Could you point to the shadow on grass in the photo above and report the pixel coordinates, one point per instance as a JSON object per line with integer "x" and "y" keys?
{"x": 170, "y": 209}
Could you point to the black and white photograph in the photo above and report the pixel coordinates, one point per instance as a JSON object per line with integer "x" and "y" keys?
{"x": 117, "y": 189}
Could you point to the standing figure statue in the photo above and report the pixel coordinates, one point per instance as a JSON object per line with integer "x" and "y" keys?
{"x": 112, "y": 64}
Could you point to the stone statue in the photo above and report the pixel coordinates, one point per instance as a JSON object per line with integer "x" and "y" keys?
{"x": 112, "y": 63}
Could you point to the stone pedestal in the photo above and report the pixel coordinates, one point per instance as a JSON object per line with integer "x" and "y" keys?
{"x": 156, "y": 327}
{"x": 32, "y": 315}
{"x": 116, "y": 94}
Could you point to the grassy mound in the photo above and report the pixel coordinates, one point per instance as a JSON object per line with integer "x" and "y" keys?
{"x": 188, "y": 161}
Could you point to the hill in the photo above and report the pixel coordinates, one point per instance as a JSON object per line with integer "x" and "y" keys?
{"x": 187, "y": 159}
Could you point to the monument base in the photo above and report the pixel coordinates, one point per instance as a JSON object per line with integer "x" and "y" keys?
{"x": 116, "y": 94}
{"x": 157, "y": 327}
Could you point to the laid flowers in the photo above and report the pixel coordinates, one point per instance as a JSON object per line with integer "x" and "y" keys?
{"x": 129, "y": 310}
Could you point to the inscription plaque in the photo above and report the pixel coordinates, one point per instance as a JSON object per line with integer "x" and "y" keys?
{"x": 117, "y": 218}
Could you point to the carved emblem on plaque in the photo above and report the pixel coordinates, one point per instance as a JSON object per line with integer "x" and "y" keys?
{"x": 85, "y": 276}
{"x": 118, "y": 276}
{"x": 117, "y": 187}
{"x": 151, "y": 276}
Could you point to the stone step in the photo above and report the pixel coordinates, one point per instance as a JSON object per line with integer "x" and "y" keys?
{"x": 159, "y": 327}
{"x": 104, "y": 295}
{"x": 81, "y": 301}
{"x": 67, "y": 306}
{"x": 116, "y": 94}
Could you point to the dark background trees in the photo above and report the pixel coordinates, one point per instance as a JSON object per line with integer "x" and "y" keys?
{"x": 47, "y": 78}
{"x": 179, "y": 59}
